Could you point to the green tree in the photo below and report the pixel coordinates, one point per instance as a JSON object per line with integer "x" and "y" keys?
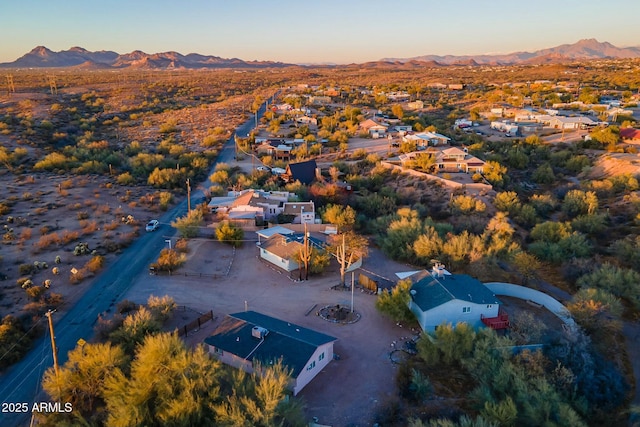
{"x": 229, "y": 233}
{"x": 397, "y": 111}
{"x": 167, "y": 385}
{"x": 621, "y": 282}
{"x": 394, "y": 303}
{"x": 189, "y": 225}
{"x": 544, "y": 174}
{"x": 82, "y": 378}
{"x": 342, "y": 216}
{"x": 258, "y": 399}
{"x": 466, "y": 205}
{"x": 507, "y": 201}
{"x": 494, "y": 172}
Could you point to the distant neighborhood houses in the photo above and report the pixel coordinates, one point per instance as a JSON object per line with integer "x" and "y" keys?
{"x": 250, "y": 206}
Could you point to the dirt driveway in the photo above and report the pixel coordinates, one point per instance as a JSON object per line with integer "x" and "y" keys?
{"x": 349, "y": 391}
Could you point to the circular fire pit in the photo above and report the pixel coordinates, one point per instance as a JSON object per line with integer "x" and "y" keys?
{"x": 338, "y": 314}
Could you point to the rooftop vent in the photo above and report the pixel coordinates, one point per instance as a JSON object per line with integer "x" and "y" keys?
{"x": 259, "y": 332}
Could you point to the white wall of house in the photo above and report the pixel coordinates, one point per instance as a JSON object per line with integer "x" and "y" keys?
{"x": 316, "y": 363}
{"x": 285, "y": 264}
{"x": 453, "y": 312}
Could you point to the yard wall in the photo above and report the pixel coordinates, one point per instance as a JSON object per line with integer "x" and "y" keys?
{"x": 517, "y": 291}
{"x": 447, "y": 182}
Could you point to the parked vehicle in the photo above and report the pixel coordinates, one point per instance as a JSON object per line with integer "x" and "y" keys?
{"x": 152, "y": 225}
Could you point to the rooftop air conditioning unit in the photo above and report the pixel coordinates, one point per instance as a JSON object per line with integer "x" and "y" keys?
{"x": 259, "y": 332}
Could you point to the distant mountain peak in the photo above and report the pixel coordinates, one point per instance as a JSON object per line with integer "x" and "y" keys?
{"x": 582, "y": 49}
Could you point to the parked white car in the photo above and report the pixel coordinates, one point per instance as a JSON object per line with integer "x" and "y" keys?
{"x": 277, "y": 171}
{"x": 152, "y": 225}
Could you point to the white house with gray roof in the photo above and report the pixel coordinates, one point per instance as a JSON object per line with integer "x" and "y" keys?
{"x": 439, "y": 297}
{"x": 244, "y": 338}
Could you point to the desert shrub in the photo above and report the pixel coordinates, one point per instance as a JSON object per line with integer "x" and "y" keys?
{"x": 165, "y": 199}
{"x": 34, "y": 292}
{"x": 15, "y": 340}
{"x": 77, "y": 277}
{"x": 82, "y": 215}
{"x": 95, "y": 264}
{"x": 125, "y": 178}
{"x": 169, "y": 260}
{"x": 466, "y": 205}
{"x": 24, "y": 282}
{"x": 182, "y": 245}
{"x": 47, "y": 240}
{"x": 188, "y": 225}
{"x": 126, "y": 306}
{"x": 578, "y": 202}
{"x": 621, "y": 282}
{"x": 26, "y": 269}
{"x": 161, "y": 307}
{"x": 69, "y": 236}
{"x": 229, "y": 233}
{"x": 88, "y": 227}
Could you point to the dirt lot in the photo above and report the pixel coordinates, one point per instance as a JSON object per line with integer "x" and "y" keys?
{"x": 48, "y": 215}
{"x": 349, "y": 390}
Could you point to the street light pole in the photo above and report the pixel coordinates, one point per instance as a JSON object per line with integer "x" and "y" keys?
{"x": 188, "y": 196}
{"x": 353, "y": 281}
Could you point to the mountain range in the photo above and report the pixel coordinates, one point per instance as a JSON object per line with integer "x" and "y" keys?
{"x": 583, "y": 49}
{"x": 78, "y": 57}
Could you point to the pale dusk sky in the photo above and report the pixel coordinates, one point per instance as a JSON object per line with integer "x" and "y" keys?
{"x": 313, "y": 32}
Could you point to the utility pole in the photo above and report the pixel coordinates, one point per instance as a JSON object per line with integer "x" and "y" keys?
{"x": 53, "y": 347}
{"x": 188, "y": 196}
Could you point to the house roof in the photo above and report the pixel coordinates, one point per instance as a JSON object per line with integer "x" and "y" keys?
{"x": 286, "y": 246}
{"x": 305, "y": 172}
{"x": 369, "y": 123}
{"x": 630, "y": 133}
{"x": 294, "y": 344}
{"x": 295, "y": 208}
{"x": 268, "y": 232}
{"x": 430, "y": 292}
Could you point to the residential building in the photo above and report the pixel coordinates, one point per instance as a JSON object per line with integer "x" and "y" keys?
{"x": 439, "y": 297}
{"x": 247, "y": 338}
{"x": 451, "y": 159}
{"x": 375, "y": 129}
{"x": 252, "y": 205}
{"x": 282, "y": 250}
{"x": 630, "y": 135}
{"x": 305, "y": 172}
{"x": 415, "y": 105}
{"x": 302, "y": 212}
{"x": 424, "y": 139}
{"x": 577, "y": 122}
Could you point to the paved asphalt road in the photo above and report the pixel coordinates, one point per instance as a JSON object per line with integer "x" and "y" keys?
{"x": 21, "y": 383}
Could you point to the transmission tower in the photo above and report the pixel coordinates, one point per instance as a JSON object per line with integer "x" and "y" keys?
{"x": 53, "y": 86}
{"x": 11, "y": 88}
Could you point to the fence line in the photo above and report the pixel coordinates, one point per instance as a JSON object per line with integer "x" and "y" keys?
{"x": 196, "y": 324}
